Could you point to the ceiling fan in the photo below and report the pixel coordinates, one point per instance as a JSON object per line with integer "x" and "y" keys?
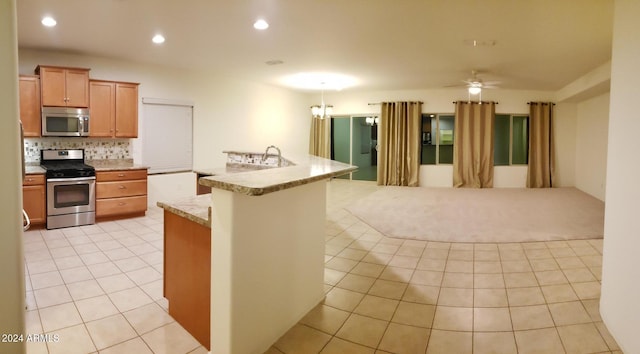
{"x": 474, "y": 84}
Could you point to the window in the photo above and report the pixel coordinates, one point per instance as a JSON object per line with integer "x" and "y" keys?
{"x": 437, "y": 139}
{"x": 511, "y": 140}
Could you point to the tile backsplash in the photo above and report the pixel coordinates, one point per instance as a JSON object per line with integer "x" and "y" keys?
{"x": 94, "y": 149}
{"x": 255, "y": 158}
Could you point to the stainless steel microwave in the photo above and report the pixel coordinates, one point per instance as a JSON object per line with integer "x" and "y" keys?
{"x": 62, "y": 121}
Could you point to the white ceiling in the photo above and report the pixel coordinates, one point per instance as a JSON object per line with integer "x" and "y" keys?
{"x": 384, "y": 44}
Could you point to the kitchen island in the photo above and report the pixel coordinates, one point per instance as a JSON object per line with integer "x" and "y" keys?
{"x": 267, "y": 250}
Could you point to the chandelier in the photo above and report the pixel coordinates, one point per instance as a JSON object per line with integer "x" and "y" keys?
{"x": 322, "y": 111}
{"x": 372, "y": 120}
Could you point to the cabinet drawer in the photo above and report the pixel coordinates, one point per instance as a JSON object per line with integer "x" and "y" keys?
{"x": 106, "y": 176}
{"x": 121, "y": 189}
{"x": 33, "y": 180}
{"x": 119, "y": 206}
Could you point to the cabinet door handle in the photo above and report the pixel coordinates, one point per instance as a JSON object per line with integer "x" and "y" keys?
{"x": 122, "y": 187}
{"x": 122, "y": 204}
{"x": 121, "y": 174}
{"x": 29, "y": 179}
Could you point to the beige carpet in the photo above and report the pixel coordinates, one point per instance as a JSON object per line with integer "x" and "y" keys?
{"x": 482, "y": 215}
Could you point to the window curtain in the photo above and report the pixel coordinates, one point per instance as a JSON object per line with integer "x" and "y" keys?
{"x": 320, "y": 137}
{"x": 540, "y": 173}
{"x": 399, "y": 145}
{"x": 473, "y": 144}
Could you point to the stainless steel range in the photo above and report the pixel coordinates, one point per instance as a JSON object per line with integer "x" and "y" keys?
{"x": 71, "y": 188}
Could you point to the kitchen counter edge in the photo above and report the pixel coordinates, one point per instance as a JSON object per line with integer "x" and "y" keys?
{"x": 306, "y": 170}
{"x": 115, "y": 165}
{"x": 196, "y": 209}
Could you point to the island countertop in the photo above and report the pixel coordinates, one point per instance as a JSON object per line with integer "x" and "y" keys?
{"x": 306, "y": 170}
{"x": 196, "y": 209}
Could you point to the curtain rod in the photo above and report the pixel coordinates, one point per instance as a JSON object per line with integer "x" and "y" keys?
{"x": 475, "y": 102}
{"x": 378, "y": 103}
{"x": 551, "y": 103}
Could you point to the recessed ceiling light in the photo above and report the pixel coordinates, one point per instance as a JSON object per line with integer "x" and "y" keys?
{"x": 158, "y": 39}
{"x": 260, "y": 25}
{"x": 48, "y": 21}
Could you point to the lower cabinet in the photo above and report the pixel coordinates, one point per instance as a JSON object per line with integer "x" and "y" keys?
{"x": 187, "y": 275}
{"x": 121, "y": 193}
{"x": 34, "y": 198}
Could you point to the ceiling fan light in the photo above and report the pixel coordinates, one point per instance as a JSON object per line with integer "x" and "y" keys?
{"x": 474, "y": 90}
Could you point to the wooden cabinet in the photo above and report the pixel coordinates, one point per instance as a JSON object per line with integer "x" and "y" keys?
{"x": 114, "y": 109}
{"x": 34, "y": 198}
{"x": 187, "y": 275}
{"x": 121, "y": 193}
{"x": 30, "y": 105}
{"x": 102, "y": 100}
{"x": 64, "y": 87}
{"x": 126, "y": 110}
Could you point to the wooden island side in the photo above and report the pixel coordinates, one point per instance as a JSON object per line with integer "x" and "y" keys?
{"x": 187, "y": 264}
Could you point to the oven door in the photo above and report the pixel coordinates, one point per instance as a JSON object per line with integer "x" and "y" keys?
{"x": 71, "y": 195}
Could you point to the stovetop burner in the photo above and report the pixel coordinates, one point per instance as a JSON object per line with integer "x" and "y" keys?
{"x": 65, "y": 164}
{"x": 68, "y": 170}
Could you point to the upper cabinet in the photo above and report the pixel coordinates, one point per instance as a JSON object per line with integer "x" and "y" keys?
{"x": 114, "y": 109}
{"x": 64, "y": 87}
{"x": 30, "y": 105}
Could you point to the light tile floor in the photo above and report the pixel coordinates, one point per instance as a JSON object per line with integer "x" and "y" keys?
{"x": 388, "y": 295}
{"x": 99, "y": 288}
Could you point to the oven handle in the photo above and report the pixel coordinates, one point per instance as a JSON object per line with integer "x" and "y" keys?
{"x": 73, "y": 179}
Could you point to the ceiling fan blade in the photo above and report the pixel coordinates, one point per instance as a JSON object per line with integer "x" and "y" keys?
{"x": 456, "y": 85}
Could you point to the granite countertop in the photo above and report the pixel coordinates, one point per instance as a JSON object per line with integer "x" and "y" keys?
{"x": 114, "y": 164}
{"x": 254, "y": 181}
{"x": 196, "y": 209}
{"x": 229, "y": 169}
{"x": 306, "y": 170}
{"x": 32, "y": 169}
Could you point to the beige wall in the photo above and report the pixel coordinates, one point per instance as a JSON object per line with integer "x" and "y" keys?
{"x": 591, "y": 145}
{"x": 619, "y": 305}
{"x": 565, "y": 144}
{"x": 284, "y": 265}
{"x": 11, "y": 254}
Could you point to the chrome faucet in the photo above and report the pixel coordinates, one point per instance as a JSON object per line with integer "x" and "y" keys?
{"x": 264, "y": 157}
